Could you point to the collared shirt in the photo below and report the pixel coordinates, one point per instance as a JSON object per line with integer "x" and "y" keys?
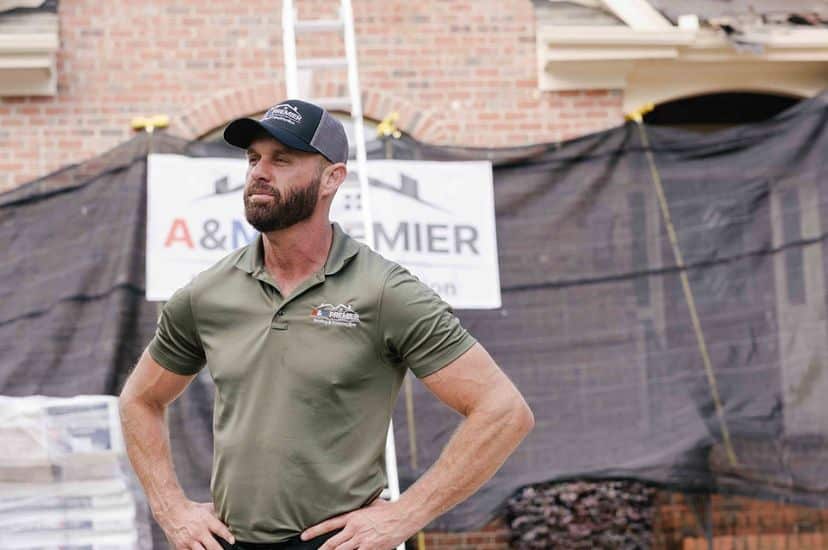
{"x": 305, "y": 383}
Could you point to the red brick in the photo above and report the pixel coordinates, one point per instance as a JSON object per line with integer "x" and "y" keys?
{"x": 743, "y": 523}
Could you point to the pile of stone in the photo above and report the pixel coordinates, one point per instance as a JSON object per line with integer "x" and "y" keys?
{"x": 582, "y": 515}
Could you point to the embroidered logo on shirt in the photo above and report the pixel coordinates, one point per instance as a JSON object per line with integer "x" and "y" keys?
{"x": 328, "y": 314}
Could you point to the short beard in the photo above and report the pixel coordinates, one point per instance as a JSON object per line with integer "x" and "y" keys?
{"x": 298, "y": 206}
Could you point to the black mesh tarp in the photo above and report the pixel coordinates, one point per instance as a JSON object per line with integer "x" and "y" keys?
{"x": 596, "y": 327}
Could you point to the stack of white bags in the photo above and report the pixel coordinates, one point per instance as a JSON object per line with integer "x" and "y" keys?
{"x": 64, "y": 481}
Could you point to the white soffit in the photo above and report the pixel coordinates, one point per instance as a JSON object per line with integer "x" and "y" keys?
{"x": 604, "y": 57}
{"x": 659, "y": 81}
{"x": 28, "y": 54}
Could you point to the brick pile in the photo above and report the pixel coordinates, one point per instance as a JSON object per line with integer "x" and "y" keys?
{"x": 614, "y": 515}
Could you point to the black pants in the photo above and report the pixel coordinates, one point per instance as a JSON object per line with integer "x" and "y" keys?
{"x": 294, "y": 543}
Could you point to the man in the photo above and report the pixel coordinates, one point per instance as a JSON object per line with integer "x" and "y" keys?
{"x": 307, "y": 335}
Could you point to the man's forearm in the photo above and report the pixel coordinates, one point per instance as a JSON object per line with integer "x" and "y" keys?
{"x": 478, "y": 448}
{"x": 148, "y": 446}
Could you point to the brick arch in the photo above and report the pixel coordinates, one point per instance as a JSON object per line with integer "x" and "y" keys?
{"x": 225, "y": 105}
{"x": 220, "y": 107}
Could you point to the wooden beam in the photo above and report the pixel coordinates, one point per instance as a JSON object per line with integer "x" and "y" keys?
{"x": 638, "y": 14}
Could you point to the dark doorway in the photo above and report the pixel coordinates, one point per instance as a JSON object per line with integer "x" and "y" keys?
{"x": 711, "y": 112}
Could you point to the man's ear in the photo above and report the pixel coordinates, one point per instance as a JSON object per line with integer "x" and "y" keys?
{"x": 332, "y": 177}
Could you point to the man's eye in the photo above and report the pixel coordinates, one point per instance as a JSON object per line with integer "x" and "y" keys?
{"x": 251, "y": 160}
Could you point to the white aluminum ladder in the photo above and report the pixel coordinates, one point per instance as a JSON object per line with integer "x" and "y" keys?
{"x": 291, "y": 26}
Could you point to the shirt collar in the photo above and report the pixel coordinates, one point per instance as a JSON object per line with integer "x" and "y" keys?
{"x": 343, "y": 248}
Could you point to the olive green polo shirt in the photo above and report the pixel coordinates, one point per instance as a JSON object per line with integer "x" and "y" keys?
{"x": 305, "y": 383}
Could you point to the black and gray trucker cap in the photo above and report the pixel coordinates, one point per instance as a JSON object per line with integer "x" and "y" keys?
{"x": 297, "y": 124}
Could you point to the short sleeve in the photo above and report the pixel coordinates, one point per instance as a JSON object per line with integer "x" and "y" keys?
{"x": 176, "y": 345}
{"x": 417, "y": 327}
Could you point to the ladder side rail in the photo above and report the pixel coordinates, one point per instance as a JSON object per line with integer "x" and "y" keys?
{"x": 289, "y": 47}
{"x": 356, "y": 117}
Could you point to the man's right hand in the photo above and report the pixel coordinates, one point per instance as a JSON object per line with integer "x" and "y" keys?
{"x": 192, "y": 525}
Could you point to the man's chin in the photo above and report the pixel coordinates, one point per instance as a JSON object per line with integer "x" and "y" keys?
{"x": 258, "y": 221}
{"x": 265, "y": 225}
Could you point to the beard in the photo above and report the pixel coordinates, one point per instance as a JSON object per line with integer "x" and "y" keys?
{"x": 284, "y": 210}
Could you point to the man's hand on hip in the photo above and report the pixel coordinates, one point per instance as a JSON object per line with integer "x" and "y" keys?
{"x": 191, "y": 525}
{"x": 379, "y": 526}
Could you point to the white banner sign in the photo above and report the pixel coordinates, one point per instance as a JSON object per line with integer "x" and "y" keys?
{"x": 434, "y": 218}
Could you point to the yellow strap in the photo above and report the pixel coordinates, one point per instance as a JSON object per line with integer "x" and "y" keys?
{"x": 638, "y": 114}
{"x": 150, "y": 123}
{"x": 412, "y": 427}
{"x": 688, "y": 294}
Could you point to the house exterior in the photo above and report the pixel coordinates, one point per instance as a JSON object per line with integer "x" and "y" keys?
{"x": 481, "y": 73}
{"x": 486, "y": 73}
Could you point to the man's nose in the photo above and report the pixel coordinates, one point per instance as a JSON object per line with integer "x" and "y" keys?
{"x": 258, "y": 172}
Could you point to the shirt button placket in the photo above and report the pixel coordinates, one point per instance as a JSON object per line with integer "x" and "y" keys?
{"x": 279, "y": 322}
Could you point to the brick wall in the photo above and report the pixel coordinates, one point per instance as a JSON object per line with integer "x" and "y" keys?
{"x": 459, "y": 72}
{"x": 495, "y": 536}
{"x": 740, "y": 523}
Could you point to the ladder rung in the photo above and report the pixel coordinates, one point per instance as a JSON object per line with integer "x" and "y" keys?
{"x": 313, "y": 25}
{"x": 333, "y": 102}
{"x": 318, "y": 62}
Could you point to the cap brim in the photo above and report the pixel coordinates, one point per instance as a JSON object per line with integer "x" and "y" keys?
{"x": 241, "y": 133}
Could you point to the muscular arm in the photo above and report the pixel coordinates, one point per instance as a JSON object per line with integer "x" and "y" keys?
{"x": 497, "y": 420}
{"x": 143, "y": 404}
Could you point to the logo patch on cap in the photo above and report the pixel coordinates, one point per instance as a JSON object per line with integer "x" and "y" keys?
{"x": 284, "y": 112}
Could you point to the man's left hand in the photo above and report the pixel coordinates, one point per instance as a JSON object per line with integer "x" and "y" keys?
{"x": 379, "y": 526}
